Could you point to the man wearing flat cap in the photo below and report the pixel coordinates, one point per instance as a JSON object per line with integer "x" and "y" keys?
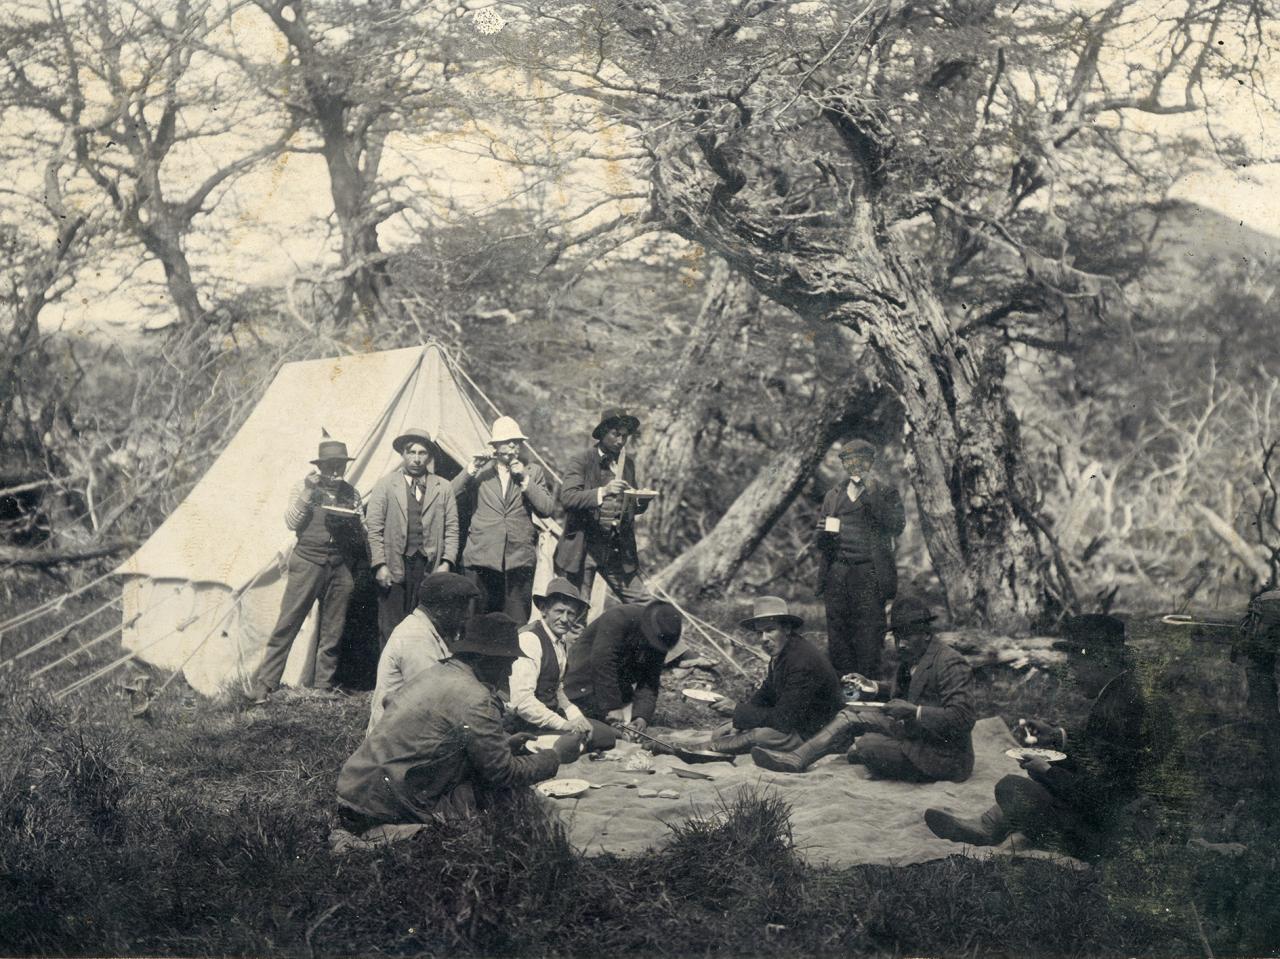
{"x": 539, "y": 703}
{"x": 503, "y": 495}
{"x": 440, "y": 748}
{"x": 324, "y": 513}
{"x": 1077, "y": 805}
{"x": 615, "y": 666}
{"x": 857, "y": 574}
{"x": 599, "y": 526}
{"x": 412, "y": 518}
{"x": 925, "y": 737}
{"x": 424, "y": 637}
{"x": 800, "y": 694}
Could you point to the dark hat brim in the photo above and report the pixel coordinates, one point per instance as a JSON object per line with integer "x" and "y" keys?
{"x": 333, "y": 459}
{"x": 789, "y": 619}
{"x": 546, "y": 599}
{"x": 632, "y": 423}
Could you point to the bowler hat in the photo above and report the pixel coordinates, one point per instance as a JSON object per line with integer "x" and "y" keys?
{"x": 661, "y": 624}
{"x": 859, "y": 448}
{"x": 910, "y": 614}
{"x": 331, "y": 450}
{"x": 505, "y": 430}
{"x": 561, "y": 588}
{"x": 1098, "y": 630}
{"x": 493, "y": 634}
{"x": 446, "y": 589}
{"x": 615, "y": 415}
{"x": 771, "y": 607}
{"x": 414, "y": 435}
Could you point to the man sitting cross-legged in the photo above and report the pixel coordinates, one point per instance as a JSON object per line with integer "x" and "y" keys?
{"x": 923, "y": 738}
{"x": 539, "y": 703}
{"x": 800, "y": 693}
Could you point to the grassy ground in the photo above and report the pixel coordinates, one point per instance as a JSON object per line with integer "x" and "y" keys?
{"x": 202, "y": 830}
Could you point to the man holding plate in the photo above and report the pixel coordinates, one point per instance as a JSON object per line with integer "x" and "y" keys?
{"x": 324, "y": 513}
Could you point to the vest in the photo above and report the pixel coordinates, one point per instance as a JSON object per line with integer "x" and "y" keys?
{"x": 413, "y": 526}
{"x": 325, "y": 539}
{"x": 544, "y": 690}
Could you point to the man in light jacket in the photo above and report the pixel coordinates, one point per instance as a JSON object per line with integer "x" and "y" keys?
{"x": 412, "y": 519}
{"x": 503, "y": 495}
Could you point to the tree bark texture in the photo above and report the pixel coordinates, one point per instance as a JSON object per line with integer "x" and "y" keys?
{"x": 679, "y": 426}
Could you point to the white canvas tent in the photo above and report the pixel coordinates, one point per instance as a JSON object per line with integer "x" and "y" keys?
{"x": 202, "y": 594}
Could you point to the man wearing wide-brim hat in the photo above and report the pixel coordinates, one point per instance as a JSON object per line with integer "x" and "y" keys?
{"x": 324, "y": 513}
{"x": 599, "y": 525}
{"x": 924, "y": 737}
{"x": 800, "y": 693}
{"x": 502, "y": 494}
{"x": 615, "y": 666}
{"x": 440, "y": 747}
{"x": 412, "y": 518}
{"x": 539, "y": 703}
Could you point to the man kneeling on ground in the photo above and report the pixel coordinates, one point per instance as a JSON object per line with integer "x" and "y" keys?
{"x": 923, "y": 738}
{"x": 439, "y": 748}
{"x": 539, "y": 703}
{"x": 800, "y": 694}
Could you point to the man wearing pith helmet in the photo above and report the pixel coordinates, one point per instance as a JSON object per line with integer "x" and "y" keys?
{"x": 412, "y": 518}
{"x": 856, "y": 571}
{"x": 502, "y": 494}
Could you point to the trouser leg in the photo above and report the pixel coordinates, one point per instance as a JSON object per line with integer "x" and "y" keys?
{"x": 390, "y": 611}
{"x": 335, "y": 596}
{"x": 301, "y": 589}
{"x": 868, "y": 620}
{"x": 840, "y": 625}
{"x": 1046, "y": 820}
{"x": 517, "y": 598}
{"x": 415, "y": 571}
{"x": 490, "y": 584}
{"x": 885, "y": 758}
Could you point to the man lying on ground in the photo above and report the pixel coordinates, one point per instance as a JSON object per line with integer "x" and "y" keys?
{"x": 440, "y": 749}
{"x": 923, "y": 738}
{"x": 539, "y": 703}
{"x": 615, "y": 666}
{"x": 800, "y": 693}
{"x": 422, "y": 639}
{"x": 1073, "y": 806}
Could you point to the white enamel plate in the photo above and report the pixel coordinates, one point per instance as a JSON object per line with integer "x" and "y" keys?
{"x": 563, "y": 788}
{"x": 1029, "y": 752}
{"x": 701, "y": 695}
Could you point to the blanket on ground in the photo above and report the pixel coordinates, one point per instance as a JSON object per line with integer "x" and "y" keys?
{"x": 839, "y": 815}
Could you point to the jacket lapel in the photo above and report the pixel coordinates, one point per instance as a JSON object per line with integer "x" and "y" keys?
{"x": 401, "y": 493}
{"x": 923, "y": 672}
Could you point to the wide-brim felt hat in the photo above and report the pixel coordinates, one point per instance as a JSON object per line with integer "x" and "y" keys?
{"x": 331, "y": 450}
{"x": 493, "y": 634}
{"x": 661, "y": 624}
{"x": 446, "y": 589}
{"x": 415, "y": 434}
{"x": 911, "y": 614}
{"x": 1099, "y": 631}
{"x": 615, "y": 415}
{"x": 770, "y": 608}
{"x": 561, "y": 588}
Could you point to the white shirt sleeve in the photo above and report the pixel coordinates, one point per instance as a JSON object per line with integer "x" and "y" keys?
{"x": 524, "y": 677}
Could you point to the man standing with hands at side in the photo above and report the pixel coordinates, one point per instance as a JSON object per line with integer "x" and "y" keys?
{"x": 412, "y": 519}
{"x": 857, "y": 574}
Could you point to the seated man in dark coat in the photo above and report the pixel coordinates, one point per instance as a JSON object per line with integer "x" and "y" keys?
{"x": 615, "y": 666}
{"x": 923, "y": 738}
{"x": 1073, "y": 806}
{"x": 439, "y": 748}
{"x": 800, "y": 693}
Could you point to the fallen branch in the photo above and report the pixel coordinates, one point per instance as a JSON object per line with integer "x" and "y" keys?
{"x": 44, "y": 558}
{"x": 1239, "y": 547}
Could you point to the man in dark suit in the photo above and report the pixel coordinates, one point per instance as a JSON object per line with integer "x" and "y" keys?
{"x": 599, "y": 526}
{"x": 615, "y": 666}
{"x": 857, "y": 574}
{"x": 504, "y": 495}
{"x": 923, "y": 738}
{"x": 1075, "y": 806}
{"x": 800, "y": 694}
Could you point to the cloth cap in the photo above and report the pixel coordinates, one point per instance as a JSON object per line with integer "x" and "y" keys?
{"x": 1096, "y": 630}
{"x": 770, "y": 607}
{"x": 331, "y": 450}
{"x": 446, "y": 589}
{"x": 858, "y": 448}
{"x": 505, "y": 429}
{"x": 414, "y": 435}
{"x": 661, "y": 624}
{"x": 615, "y": 415}
{"x": 561, "y": 588}
{"x": 493, "y": 634}
{"x": 910, "y": 614}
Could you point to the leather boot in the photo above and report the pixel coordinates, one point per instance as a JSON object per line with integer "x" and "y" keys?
{"x": 989, "y": 830}
{"x": 830, "y": 738}
{"x": 734, "y": 744}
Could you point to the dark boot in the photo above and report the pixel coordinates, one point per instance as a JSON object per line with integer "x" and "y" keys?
{"x": 734, "y": 744}
{"x": 989, "y": 830}
{"x": 831, "y": 738}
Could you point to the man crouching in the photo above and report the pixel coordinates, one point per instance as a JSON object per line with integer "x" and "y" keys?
{"x": 439, "y": 748}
